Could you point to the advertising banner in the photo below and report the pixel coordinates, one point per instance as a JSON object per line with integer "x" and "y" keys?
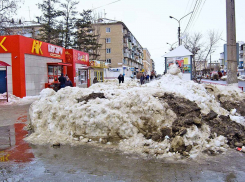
{"x": 182, "y": 62}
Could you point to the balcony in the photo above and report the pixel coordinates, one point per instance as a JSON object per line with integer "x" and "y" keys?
{"x": 125, "y": 32}
{"x": 126, "y": 55}
{"x": 125, "y": 45}
{"x": 130, "y": 46}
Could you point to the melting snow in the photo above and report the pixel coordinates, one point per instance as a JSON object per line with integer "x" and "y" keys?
{"x": 61, "y": 117}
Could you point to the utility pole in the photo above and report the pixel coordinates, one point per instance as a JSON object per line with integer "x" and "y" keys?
{"x": 179, "y": 33}
{"x": 231, "y": 42}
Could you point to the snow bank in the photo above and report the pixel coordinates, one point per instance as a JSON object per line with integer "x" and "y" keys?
{"x": 12, "y": 99}
{"x": 241, "y": 77}
{"x": 127, "y": 114}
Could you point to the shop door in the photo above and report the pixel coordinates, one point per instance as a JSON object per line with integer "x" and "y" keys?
{"x": 3, "y": 81}
{"x": 83, "y": 78}
{"x": 99, "y": 75}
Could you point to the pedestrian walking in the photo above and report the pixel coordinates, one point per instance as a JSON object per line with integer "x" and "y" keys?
{"x": 147, "y": 78}
{"x": 123, "y": 78}
{"x": 142, "y": 77}
{"x": 120, "y": 78}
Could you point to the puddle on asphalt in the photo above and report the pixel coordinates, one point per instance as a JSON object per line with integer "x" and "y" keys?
{"x": 12, "y": 146}
{"x": 86, "y": 162}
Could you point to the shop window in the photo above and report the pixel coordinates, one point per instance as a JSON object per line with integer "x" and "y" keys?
{"x": 54, "y": 72}
{"x": 108, "y": 51}
{"x": 108, "y": 40}
{"x": 50, "y": 70}
{"x": 108, "y": 30}
{"x": 82, "y": 76}
{"x": 108, "y": 61}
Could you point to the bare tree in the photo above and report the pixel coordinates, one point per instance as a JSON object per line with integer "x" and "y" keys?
{"x": 201, "y": 49}
{"x": 194, "y": 45}
{"x": 213, "y": 39}
{"x": 7, "y": 9}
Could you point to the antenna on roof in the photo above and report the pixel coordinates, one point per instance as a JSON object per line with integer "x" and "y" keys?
{"x": 29, "y": 13}
{"x": 104, "y": 14}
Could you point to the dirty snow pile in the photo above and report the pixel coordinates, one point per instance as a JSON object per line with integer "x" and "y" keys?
{"x": 12, "y": 99}
{"x": 169, "y": 117}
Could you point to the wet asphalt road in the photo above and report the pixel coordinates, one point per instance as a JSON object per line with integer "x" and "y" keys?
{"x": 20, "y": 161}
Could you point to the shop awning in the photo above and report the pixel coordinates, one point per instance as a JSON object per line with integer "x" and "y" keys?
{"x": 84, "y": 67}
{"x": 3, "y": 64}
{"x": 59, "y": 64}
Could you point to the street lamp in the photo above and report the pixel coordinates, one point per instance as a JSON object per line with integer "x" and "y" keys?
{"x": 179, "y": 25}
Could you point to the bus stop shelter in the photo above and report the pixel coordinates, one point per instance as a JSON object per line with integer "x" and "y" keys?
{"x": 4, "y": 78}
{"x": 180, "y": 56}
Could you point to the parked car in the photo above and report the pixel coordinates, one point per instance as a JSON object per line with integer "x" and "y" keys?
{"x": 214, "y": 75}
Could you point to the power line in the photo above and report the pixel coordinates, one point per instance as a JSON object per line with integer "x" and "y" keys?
{"x": 201, "y": 8}
{"x": 191, "y": 16}
{"x": 195, "y": 20}
{"x": 194, "y": 15}
{"x": 106, "y": 4}
{"x": 187, "y": 6}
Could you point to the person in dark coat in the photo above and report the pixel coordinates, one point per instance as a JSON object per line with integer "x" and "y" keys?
{"x": 142, "y": 77}
{"x": 68, "y": 82}
{"x": 120, "y": 78}
{"x": 95, "y": 80}
{"x": 123, "y": 78}
{"x": 62, "y": 81}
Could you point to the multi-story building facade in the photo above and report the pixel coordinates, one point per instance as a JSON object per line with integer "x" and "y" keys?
{"x": 28, "y": 29}
{"x": 240, "y": 56}
{"x": 152, "y": 65}
{"x": 147, "y": 61}
{"x": 120, "y": 49}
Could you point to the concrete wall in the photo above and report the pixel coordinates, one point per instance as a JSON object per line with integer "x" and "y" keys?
{"x": 36, "y": 73}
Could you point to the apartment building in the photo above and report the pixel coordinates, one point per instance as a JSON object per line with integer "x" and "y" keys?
{"x": 120, "y": 49}
{"x": 29, "y": 29}
{"x": 147, "y": 61}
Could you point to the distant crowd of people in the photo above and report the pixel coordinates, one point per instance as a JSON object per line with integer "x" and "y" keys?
{"x": 144, "y": 78}
{"x": 64, "y": 81}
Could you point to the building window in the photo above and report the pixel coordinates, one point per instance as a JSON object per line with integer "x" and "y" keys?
{"x": 108, "y": 51}
{"x": 108, "y": 61}
{"x": 108, "y": 30}
{"x": 108, "y": 40}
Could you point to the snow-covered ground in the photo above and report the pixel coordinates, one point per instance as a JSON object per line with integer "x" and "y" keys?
{"x": 12, "y": 99}
{"x": 241, "y": 77}
{"x": 127, "y": 113}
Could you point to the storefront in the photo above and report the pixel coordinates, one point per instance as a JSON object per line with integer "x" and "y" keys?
{"x": 97, "y": 70}
{"x": 34, "y": 64}
{"x": 79, "y": 72}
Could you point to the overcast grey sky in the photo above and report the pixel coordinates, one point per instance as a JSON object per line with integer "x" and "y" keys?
{"x": 149, "y": 20}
